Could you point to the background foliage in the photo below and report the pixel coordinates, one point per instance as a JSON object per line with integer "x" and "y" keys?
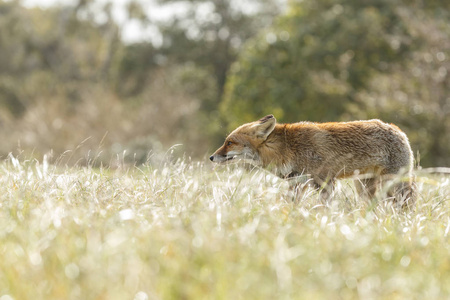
{"x": 70, "y": 84}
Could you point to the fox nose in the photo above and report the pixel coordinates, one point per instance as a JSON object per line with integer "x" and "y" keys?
{"x": 211, "y": 158}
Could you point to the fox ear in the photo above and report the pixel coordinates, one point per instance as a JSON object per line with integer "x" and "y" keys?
{"x": 265, "y": 126}
{"x": 266, "y": 118}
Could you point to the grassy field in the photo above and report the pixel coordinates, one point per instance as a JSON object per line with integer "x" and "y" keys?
{"x": 184, "y": 230}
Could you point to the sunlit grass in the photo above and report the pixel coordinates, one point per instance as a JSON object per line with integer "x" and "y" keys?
{"x": 185, "y": 230}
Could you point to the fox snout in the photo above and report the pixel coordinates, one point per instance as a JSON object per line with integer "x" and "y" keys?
{"x": 232, "y": 152}
{"x": 220, "y": 158}
{"x": 217, "y": 158}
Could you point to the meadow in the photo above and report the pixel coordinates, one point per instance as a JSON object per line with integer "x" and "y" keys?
{"x": 187, "y": 230}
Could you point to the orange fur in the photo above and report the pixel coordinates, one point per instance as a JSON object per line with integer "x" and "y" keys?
{"x": 326, "y": 151}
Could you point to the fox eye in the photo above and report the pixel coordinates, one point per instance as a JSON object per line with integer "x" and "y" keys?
{"x": 229, "y": 143}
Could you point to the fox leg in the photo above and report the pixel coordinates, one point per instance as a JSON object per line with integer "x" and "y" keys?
{"x": 367, "y": 186}
{"x": 298, "y": 184}
{"x": 325, "y": 185}
{"x": 403, "y": 191}
{"x": 300, "y": 191}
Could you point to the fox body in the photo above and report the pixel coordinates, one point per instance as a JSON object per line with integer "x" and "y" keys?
{"x": 325, "y": 151}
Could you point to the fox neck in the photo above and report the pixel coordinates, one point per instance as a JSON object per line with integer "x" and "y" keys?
{"x": 272, "y": 152}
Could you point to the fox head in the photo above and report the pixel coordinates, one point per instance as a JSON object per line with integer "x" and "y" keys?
{"x": 244, "y": 141}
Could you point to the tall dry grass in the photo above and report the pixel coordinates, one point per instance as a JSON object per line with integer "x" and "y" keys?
{"x": 184, "y": 230}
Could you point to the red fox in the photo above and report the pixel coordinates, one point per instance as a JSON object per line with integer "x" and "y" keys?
{"x": 325, "y": 151}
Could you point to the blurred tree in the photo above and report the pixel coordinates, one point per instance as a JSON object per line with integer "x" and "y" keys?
{"x": 54, "y": 64}
{"x": 202, "y": 36}
{"x": 138, "y": 61}
{"x": 208, "y": 33}
{"x": 322, "y": 60}
{"x": 211, "y": 32}
{"x": 48, "y": 51}
{"x": 60, "y": 69}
